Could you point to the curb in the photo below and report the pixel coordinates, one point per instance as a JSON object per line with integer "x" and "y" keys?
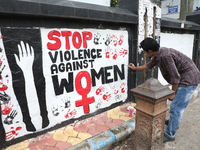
{"x": 105, "y": 139}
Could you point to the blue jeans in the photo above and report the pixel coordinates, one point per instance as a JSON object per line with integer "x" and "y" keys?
{"x": 177, "y": 107}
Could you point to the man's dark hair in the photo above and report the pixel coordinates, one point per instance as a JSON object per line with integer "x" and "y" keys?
{"x": 149, "y": 44}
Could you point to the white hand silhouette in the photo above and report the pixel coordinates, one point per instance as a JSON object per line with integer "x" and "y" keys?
{"x": 25, "y": 58}
{"x": 25, "y": 62}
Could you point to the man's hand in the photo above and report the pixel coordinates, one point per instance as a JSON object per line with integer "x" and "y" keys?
{"x": 174, "y": 88}
{"x": 132, "y": 66}
{"x": 171, "y": 97}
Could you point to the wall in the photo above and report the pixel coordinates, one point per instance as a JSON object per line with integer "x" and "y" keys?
{"x": 165, "y": 6}
{"x": 149, "y": 26}
{"x": 53, "y": 75}
{"x": 101, "y": 2}
{"x": 181, "y": 42}
{"x": 57, "y": 68}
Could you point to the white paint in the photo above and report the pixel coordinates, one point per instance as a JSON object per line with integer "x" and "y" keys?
{"x": 149, "y": 6}
{"x": 180, "y": 42}
{"x": 108, "y": 89}
{"x": 115, "y": 91}
{"x": 96, "y": 2}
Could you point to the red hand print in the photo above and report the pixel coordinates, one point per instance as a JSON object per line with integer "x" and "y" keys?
{"x": 115, "y": 40}
{"x": 107, "y": 52}
{"x": 115, "y": 91}
{"x": 106, "y": 97}
{"x": 7, "y": 109}
{"x": 13, "y": 133}
{"x": 121, "y": 40}
{"x": 100, "y": 90}
{"x": 123, "y": 52}
{"x": 123, "y": 90}
{"x": 71, "y": 114}
{"x": 115, "y": 55}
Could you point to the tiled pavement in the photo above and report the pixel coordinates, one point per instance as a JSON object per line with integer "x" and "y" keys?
{"x": 77, "y": 132}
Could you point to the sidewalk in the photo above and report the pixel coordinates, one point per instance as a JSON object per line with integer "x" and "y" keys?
{"x": 108, "y": 128}
{"x": 188, "y": 134}
{"x": 99, "y": 131}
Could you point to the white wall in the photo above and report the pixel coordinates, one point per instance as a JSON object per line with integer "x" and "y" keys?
{"x": 165, "y": 5}
{"x": 180, "y": 42}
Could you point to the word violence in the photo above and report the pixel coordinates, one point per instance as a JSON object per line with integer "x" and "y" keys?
{"x": 75, "y": 60}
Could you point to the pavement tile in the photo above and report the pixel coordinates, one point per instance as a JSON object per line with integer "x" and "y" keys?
{"x": 41, "y": 143}
{"x": 36, "y": 145}
{"x": 117, "y": 121}
{"x": 117, "y": 111}
{"x": 101, "y": 128}
{"x": 112, "y": 115}
{"x": 110, "y": 125}
{"x": 93, "y": 131}
{"x": 48, "y": 140}
{"x": 69, "y": 131}
{"x": 109, "y": 120}
{"x": 63, "y": 145}
{"x": 81, "y": 128}
{"x": 90, "y": 124}
{"x": 100, "y": 122}
{"x": 60, "y": 136}
{"x": 51, "y": 148}
{"x": 84, "y": 136}
{"x": 74, "y": 141}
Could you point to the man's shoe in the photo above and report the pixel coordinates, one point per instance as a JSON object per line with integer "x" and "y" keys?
{"x": 168, "y": 138}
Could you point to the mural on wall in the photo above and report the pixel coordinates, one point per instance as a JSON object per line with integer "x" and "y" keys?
{"x": 48, "y": 76}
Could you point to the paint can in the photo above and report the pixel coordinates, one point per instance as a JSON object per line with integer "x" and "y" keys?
{"x": 131, "y": 110}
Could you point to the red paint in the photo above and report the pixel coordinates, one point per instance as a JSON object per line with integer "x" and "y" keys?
{"x": 13, "y": 133}
{"x": 71, "y": 114}
{"x": 123, "y": 52}
{"x": 115, "y": 56}
{"x": 106, "y": 97}
{"x": 7, "y": 109}
{"x": 85, "y": 101}
{"x": 121, "y": 40}
{"x": 86, "y": 36}
{"x": 107, "y": 52}
{"x": 53, "y": 35}
{"x": 123, "y": 90}
{"x": 76, "y": 38}
{"x": 67, "y": 34}
{"x": 3, "y": 87}
{"x": 99, "y": 90}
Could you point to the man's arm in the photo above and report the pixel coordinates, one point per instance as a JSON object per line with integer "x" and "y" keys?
{"x": 132, "y": 66}
{"x": 174, "y": 88}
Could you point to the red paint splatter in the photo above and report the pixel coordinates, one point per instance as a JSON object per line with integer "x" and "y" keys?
{"x": 7, "y": 109}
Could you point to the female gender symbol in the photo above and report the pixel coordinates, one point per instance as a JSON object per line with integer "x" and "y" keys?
{"x": 85, "y": 101}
